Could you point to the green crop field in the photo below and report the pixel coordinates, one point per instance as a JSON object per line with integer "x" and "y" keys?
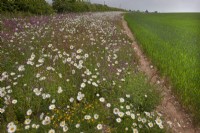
{"x": 172, "y": 41}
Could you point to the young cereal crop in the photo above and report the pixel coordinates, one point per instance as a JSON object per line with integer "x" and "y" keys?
{"x": 72, "y": 73}
{"x": 172, "y": 41}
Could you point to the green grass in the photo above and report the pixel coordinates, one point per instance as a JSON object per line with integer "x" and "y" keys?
{"x": 65, "y": 42}
{"x": 172, "y": 41}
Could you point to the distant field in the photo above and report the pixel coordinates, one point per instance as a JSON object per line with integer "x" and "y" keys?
{"x": 172, "y": 41}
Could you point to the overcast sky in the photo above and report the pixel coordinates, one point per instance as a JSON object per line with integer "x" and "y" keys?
{"x": 154, "y": 5}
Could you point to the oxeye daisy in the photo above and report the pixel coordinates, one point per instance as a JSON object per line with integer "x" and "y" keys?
{"x": 99, "y": 126}
{"x": 11, "y": 127}
{"x": 51, "y": 131}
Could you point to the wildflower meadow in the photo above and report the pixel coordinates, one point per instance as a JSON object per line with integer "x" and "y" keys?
{"x": 73, "y": 73}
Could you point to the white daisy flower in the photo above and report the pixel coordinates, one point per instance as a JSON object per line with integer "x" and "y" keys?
{"x": 99, "y": 126}
{"x": 133, "y": 116}
{"x": 60, "y": 90}
{"x": 96, "y": 116}
{"x": 150, "y": 124}
{"x": 77, "y": 125}
{"x": 2, "y": 110}
{"x": 118, "y": 120}
{"x": 27, "y": 121}
{"x": 83, "y": 85}
{"x": 65, "y": 129}
{"x": 46, "y": 121}
{"x": 27, "y": 127}
{"x": 102, "y": 99}
{"x": 29, "y": 112}
{"x": 62, "y": 123}
{"x": 52, "y": 106}
{"x": 120, "y": 114}
{"x": 115, "y": 111}
{"x": 108, "y": 105}
{"x": 71, "y": 99}
{"x": 121, "y": 100}
{"x": 87, "y": 117}
{"x": 14, "y": 101}
{"x": 158, "y": 121}
{"x": 21, "y": 68}
{"x": 51, "y": 131}
{"x": 135, "y": 130}
{"x": 11, "y": 127}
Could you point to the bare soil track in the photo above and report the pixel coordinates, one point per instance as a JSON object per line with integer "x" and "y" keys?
{"x": 176, "y": 119}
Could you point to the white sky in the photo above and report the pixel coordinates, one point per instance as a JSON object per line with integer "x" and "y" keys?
{"x": 154, "y": 5}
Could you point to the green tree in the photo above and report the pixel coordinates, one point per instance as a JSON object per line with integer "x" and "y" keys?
{"x": 32, "y": 6}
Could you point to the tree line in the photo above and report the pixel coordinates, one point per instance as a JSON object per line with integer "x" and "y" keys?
{"x": 40, "y": 7}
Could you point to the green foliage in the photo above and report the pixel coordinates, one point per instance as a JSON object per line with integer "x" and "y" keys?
{"x": 33, "y": 6}
{"x": 145, "y": 98}
{"x": 40, "y": 7}
{"x": 172, "y": 42}
{"x": 76, "y": 6}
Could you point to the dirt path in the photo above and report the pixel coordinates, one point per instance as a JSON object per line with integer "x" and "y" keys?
{"x": 176, "y": 119}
